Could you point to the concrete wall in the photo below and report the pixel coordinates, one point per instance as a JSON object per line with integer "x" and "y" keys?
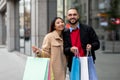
{"x": 10, "y": 25}
{"x": 43, "y": 11}
{"x": 0, "y": 29}
{"x": 38, "y": 21}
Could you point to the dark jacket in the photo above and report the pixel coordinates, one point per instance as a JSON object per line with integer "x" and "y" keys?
{"x": 87, "y": 35}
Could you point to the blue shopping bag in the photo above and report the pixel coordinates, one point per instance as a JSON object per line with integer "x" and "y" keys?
{"x": 36, "y": 69}
{"x": 91, "y": 69}
{"x": 75, "y": 71}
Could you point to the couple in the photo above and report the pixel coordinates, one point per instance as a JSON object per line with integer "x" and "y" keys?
{"x": 61, "y": 44}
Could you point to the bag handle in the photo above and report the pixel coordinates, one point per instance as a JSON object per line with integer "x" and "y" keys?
{"x": 88, "y": 52}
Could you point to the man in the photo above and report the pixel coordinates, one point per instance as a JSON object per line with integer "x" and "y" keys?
{"x": 78, "y": 38}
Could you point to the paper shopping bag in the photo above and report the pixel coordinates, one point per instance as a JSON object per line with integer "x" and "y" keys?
{"x": 91, "y": 69}
{"x": 84, "y": 68}
{"x": 36, "y": 69}
{"x": 75, "y": 71}
{"x": 50, "y": 73}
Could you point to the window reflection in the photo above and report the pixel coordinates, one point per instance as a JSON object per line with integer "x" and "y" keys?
{"x": 60, "y": 8}
{"x": 25, "y": 26}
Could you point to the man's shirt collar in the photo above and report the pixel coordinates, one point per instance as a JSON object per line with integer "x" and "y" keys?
{"x": 71, "y": 29}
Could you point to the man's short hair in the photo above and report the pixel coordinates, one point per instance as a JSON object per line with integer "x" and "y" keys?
{"x": 74, "y": 9}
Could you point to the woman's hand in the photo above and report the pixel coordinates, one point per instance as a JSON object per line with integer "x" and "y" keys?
{"x": 36, "y": 50}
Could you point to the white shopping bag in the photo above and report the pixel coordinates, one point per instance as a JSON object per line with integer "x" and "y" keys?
{"x": 84, "y": 68}
{"x": 36, "y": 69}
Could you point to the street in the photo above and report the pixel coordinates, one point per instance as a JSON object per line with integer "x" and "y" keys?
{"x": 12, "y": 65}
{"x": 107, "y": 65}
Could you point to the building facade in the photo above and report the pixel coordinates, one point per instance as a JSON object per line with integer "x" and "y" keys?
{"x": 2, "y": 22}
{"x": 24, "y": 23}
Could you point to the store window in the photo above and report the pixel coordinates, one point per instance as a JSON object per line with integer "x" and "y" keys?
{"x": 60, "y": 10}
{"x": 25, "y": 26}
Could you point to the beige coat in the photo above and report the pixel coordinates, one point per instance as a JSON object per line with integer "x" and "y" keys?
{"x": 53, "y": 47}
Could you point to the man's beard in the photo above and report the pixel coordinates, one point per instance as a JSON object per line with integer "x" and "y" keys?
{"x": 74, "y": 22}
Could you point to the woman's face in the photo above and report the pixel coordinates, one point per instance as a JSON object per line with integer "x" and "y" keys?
{"x": 59, "y": 25}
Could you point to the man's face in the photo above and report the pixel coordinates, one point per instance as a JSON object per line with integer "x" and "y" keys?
{"x": 72, "y": 16}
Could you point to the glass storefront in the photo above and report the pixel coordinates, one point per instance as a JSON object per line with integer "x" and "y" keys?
{"x": 86, "y": 16}
{"x": 4, "y": 28}
{"x": 25, "y": 26}
{"x": 89, "y": 11}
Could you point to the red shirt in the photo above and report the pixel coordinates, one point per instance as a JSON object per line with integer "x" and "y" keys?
{"x": 76, "y": 41}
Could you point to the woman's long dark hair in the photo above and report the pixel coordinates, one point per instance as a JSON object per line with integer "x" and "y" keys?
{"x": 52, "y": 27}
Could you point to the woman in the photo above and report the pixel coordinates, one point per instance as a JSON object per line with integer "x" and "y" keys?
{"x": 52, "y": 47}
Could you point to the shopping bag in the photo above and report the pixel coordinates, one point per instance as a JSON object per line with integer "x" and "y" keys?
{"x": 91, "y": 69}
{"x": 75, "y": 71}
{"x": 50, "y": 74}
{"x": 36, "y": 69}
{"x": 84, "y": 68}
{"x": 49, "y": 78}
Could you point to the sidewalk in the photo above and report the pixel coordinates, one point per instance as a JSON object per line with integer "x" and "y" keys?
{"x": 12, "y": 65}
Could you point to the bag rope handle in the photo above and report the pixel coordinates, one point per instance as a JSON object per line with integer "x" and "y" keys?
{"x": 88, "y": 52}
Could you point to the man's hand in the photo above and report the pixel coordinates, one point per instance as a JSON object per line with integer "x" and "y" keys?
{"x": 74, "y": 50}
{"x": 88, "y": 47}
